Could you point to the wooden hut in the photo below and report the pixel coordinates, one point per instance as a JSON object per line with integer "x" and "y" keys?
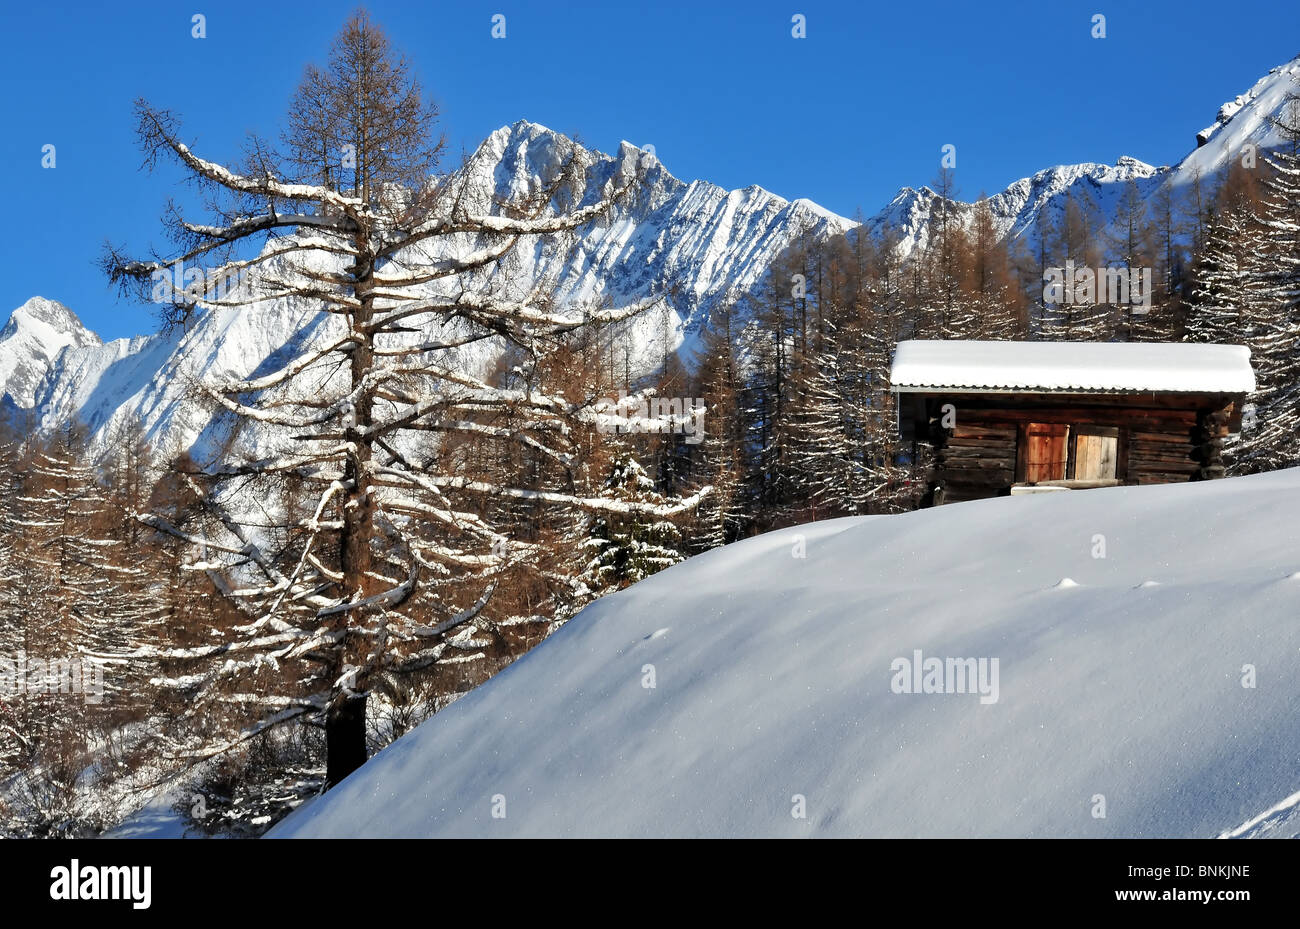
{"x": 1023, "y": 417}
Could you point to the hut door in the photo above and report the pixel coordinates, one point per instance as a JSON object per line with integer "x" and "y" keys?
{"x": 1047, "y": 451}
{"x": 1094, "y": 455}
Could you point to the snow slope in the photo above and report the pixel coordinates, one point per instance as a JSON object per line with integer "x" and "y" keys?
{"x": 1243, "y": 120}
{"x": 1120, "y": 677}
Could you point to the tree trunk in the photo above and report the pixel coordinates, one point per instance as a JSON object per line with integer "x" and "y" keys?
{"x": 345, "y": 738}
{"x": 345, "y": 720}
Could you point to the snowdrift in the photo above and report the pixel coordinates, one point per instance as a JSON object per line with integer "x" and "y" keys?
{"x": 1127, "y": 625}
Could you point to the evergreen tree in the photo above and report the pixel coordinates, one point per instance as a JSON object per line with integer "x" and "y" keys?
{"x": 629, "y": 543}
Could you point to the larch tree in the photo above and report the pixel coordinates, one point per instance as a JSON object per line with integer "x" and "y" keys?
{"x": 1131, "y": 245}
{"x": 720, "y": 460}
{"x": 384, "y": 423}
{"x": 1225, "y": 297}
{"x": 991, "y": 289}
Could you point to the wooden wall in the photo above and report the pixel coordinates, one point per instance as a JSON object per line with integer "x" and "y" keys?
{"x": 1162, "y": 438}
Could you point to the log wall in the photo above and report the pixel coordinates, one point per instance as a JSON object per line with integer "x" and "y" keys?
{"x": 1161, "y": 438}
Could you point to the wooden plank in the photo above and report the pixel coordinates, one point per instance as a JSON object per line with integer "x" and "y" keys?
{"x": 1167, "y": 421}
{"x": 1166, "y": 442}
{"x": 1145, "y": 468}
{"x": 968, "y": 454}
{"x": 1141, "y": 457}
{"x": 1161, "y": 451}
{"x": 1162, "y": 436}
{"x": 977, "y": 473}
{"x": 960, "y": 442}
{"x": 981, "y": 476}
{"x": 1178, "y": 454}
{"x": 1094, "y": 457}
{"x": 1150, "y": 465}
{"x": 989, "y": 432}
{"x": 1163, "y": 477}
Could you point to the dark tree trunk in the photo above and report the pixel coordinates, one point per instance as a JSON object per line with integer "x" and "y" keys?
{"x": 345, "y": 720}
{"x": 345, "y": 738}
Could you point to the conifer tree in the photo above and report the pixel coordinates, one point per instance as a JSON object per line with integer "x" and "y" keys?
{"x": 418, "y": 467}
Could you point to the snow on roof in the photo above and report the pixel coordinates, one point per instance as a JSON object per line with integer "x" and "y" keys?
{"x": 1072, "y": 367}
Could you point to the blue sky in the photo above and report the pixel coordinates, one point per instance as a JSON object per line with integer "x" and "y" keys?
{"x": 845, "y": 117}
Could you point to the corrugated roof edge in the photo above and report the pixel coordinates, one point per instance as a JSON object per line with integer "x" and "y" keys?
{"x": 1116, "y": 368}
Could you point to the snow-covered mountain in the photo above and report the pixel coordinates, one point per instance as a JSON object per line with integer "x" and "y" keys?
{"x": 1019, "y": 210}
{"x": 36, "y": 333}
{"x": 1242, "y": 121}
{"x": 770, "y": 688}
{"x": 694, "y": 244}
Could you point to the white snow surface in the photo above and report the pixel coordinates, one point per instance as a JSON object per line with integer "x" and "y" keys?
{"x": 1136, "y": 367}
{"x": 773, "y": 679}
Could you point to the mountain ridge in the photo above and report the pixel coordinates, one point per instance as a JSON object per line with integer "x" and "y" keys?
{"x": 693, "y": 244}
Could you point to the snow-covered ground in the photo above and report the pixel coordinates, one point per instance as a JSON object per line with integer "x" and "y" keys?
{"x": 1125, "y": 624}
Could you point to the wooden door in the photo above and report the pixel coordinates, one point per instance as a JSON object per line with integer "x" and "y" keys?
{"x": 1047, "y": 451}
{"x": 1095, "y": 457}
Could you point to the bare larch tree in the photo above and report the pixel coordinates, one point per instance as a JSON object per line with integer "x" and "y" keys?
{"x": 405, "y": 536}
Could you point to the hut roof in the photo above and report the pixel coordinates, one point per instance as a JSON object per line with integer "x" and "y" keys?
{"x": 1071, "y": 367}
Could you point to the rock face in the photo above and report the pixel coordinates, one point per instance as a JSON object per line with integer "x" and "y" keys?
{"x": 1018, "y": 210}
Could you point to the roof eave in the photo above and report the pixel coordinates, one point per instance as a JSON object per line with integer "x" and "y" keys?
{"x": 1069, "y": 391}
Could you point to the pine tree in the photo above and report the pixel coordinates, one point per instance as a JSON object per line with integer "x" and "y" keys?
{"x": 626, "y": 547}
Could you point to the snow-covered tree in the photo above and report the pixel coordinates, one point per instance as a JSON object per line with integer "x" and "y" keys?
{"x": 629, "y": 546}
{"x": 413, "y": 455}
{"x": 720, "y": 460}
{"x": 1225, "y": 300}
{"x": 1274, "y": 442}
